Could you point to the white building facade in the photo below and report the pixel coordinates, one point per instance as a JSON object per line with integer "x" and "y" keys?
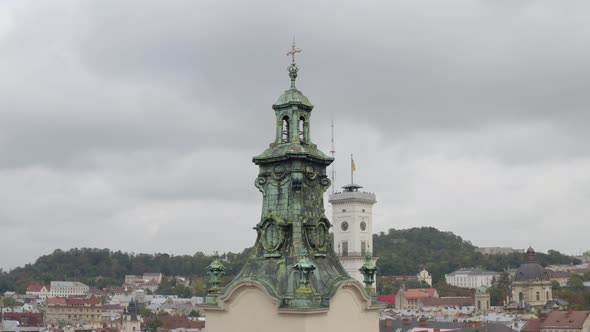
{"x": 424, "y": 276}
{"x": 471, "y": 278}
{"x": 67, "y": 289}
{"x": 352, "y": 216}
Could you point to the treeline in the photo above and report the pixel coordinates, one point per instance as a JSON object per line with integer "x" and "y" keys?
{"x": 103, "y": 267}
{"x": 405, "y": 252}
{"x": 400, "y": 252}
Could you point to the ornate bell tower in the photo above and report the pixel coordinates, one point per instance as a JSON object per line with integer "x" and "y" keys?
{"x": 293, "y": 277}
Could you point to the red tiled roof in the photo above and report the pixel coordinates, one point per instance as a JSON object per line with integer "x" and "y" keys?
{"x": 56, "y": 301}
{"x": 568, "y": 319}
{"x": 77, "y": 301}
{"x": 419, "y": 293}
{"x": 25, "y": 319}
{"x": 532, "y": 325}
{"x": 73, "y": 301}
{"x": 389, "y": 298}
{"x": 34, "y": 287}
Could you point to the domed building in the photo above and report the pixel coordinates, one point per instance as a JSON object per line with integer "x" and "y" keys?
{"x": 482, "y": 299}
{"x": 531, "y": 285}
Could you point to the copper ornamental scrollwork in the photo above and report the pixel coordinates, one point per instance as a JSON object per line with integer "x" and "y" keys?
{"x": 272, "y": 236}
{"x": 318, "y": 237}
{"x": 260, "y": 183}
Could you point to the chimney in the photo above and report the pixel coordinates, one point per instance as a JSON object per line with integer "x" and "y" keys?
{"x": 423, "y": 322}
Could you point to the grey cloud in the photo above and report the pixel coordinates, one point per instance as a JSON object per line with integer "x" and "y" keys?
{"x": 143, "y": 116}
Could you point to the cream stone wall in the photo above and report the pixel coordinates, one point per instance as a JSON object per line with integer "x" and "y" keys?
{"x": 251, "y": 309}
{"x": 482, "y": 302}
{"x": 529, "y": 291}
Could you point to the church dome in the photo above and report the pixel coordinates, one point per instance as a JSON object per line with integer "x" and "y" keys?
{"x": 482, "y": 290}
{"x": 292, "y": 96}
{"x": 531, "y": 270}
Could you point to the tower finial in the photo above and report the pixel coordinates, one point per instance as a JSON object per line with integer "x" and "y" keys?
{"x": 294, "y": 50}
{"x": 293, "y": 67}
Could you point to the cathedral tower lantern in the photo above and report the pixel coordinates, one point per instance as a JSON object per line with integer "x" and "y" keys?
{"x": 292, "y": 280}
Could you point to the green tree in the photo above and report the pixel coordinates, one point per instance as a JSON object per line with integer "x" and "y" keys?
{"x": 146, "y": 313}
{"x": 153, "y": 324}
{"x": 199, "y": 286}
{"x": 8, "y": 301}
{"x": 500, "y": 289}
{"x": 555, "y": 285}
{"x": 575, "y": 282}
{"x": 194, "y": 313}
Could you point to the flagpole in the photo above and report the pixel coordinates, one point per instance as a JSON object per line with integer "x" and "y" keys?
{"x": 351, "y": 169}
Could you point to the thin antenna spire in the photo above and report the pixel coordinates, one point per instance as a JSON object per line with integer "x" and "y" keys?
{"x": 333, "y": 152}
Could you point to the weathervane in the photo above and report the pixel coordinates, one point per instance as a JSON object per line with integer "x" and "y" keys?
{"x": 293, "y": 51}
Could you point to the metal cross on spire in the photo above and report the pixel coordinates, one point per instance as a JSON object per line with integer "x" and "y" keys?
{"x": 293, "y": 51}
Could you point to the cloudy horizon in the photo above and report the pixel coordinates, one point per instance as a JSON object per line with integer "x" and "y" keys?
{"x": 132, "y": 125}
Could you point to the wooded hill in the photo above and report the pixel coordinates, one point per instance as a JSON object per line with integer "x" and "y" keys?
{"x": 399, "y": 251}
{"x": 406, "y": 251}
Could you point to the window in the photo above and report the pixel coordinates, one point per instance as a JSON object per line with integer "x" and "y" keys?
{"x": 343, "y": 210}
{"x": 363, "y": 210}
{"x": 344, "y": 248}
{"x": 301, "y": 128}
{"x": 285, "y": 130}
{"x": 538, "y": 296}
{"x": 363, "y": 248}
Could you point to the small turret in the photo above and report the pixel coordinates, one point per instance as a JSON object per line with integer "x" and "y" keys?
{"x": 531, "y": 255}
{"x": 132, "y": 310}
{"x": 215, "y": 270}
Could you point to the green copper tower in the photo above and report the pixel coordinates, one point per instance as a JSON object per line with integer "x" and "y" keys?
{"x": 293, "y": 258}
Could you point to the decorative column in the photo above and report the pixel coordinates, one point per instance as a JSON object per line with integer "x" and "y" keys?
{"x": 368, "y": 270}
{"x": 215, "y": 270}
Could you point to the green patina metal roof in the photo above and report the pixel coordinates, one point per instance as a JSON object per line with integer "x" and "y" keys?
{"x": 293, "y": 258}
{"x": 277, "y": 152}
{"x": 482, "y": 290}
{"x": 292, "y": 97}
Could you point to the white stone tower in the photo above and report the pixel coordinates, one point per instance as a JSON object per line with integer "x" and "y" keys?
{"x": 352, "y": 216}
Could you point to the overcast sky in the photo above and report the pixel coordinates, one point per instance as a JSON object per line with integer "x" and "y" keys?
{"x": 131, "y": 124}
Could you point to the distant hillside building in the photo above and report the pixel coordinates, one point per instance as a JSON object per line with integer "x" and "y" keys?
{"x": 425, "y": 276}
{"x": 73, "y": 311}
{"x": 131, "y": 279}
{"x": 67, "y": 289}
{"x": 352, "y": 215}
{"x": 39, "y": 290}
{"x": 498, "y": 250}
{"x": 531, "y": 285}
{"x": 471, "y": 278}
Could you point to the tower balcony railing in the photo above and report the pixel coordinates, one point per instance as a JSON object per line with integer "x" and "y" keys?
{"x": 353, "y": 254}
